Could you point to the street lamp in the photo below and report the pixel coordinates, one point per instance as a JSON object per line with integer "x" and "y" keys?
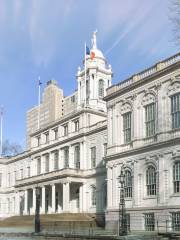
{"x": 122, "y": 211}
{"x": 37, "y": 216}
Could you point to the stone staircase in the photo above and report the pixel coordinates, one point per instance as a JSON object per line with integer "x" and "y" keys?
{"x": 53, "y": 221}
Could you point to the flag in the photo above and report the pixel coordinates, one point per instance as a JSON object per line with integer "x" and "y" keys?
{"x": 39, "y": 82}
{"x": 92, "y": 55}
{"x": 87, "y": 51}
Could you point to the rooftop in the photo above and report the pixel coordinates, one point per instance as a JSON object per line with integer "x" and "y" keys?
{"x": 144, "y": 74}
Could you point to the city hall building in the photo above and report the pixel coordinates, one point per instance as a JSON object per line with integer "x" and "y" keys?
{"x": 78, "y": 145}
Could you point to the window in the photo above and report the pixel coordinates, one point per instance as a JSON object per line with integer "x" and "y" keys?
{"x": 93, "y": 157}
{"x": 76, "y": 125}
{"x": 176, "y": 177}
{"x": 47, "y": 163}
{"x": 38, "y": 140}
{"x": 9, "y": 179}
{"x": 151, "y": 181}
{"x": 56, "y": 160}
{"x": 105, "y": 149}
{"x": 149, "y": 221}
{"x": 77, "y": 157}
{"x": 127, "y": 127}
{"x": 66, "y": 130}
{"x": 28, "y": 171}
{"x": 66, "y": 157}
{"x": 101, "y": 88}
{"x": 47, "y": 137}
{"x": 93, "y": 196}
{"x": 128, "y": 184}
{"x": 176, "y": 221}
{"x": 150, "y": 119}
{"x": 87, "y": 89}
{"x": 175, "y": 110}
{"x": 38, "y": 166}
{"x": 21, "y": 173}
{"x": 73, "y": 99}
{"x": 56, "y": 133}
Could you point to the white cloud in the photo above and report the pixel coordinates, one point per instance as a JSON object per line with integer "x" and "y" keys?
{"x": 47, "y": 20}
{"x": 142, "y": 18}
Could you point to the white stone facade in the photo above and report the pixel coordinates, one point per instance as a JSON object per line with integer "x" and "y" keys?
{"x": 76, "y": 156}
{"x": 65, "y": 154}
{"x": 144, "y": 150}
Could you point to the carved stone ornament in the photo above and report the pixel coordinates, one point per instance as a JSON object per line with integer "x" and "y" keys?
{"x": 174, "y": 86}
{"x": 148, "y": 98}
{"x": 126, "y": 107}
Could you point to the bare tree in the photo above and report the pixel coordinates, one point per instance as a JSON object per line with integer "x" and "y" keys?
{"x": 11, "y": 149}
{"x": 175, "y": 18}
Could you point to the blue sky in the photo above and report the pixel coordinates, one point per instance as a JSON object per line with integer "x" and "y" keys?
{"x": 46, "y": 38}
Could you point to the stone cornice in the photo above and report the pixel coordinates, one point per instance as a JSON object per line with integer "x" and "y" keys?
{"x": 68, "y": 117}
{"x": 144, "y": 80}
{"x": 143, "y": 149}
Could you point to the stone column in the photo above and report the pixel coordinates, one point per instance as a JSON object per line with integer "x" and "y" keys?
{"x": 66, "y": 196}
{"x": 53, "y": 195}
{"x": 81, "y": 200}
{"x": 34, "y": 201}
{"x": 17, "y": 200}
{"x": 109, "y": 187}
{"x": 25, "y": 202}
{"x": 43, "y": 200}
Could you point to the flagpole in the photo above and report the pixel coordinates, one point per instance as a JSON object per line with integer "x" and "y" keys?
{"x": 39, "y": 101}
{"x": 85, "y": 70}
{"x": 1, "y": 131}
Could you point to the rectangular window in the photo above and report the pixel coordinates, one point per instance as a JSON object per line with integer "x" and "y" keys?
{"x": 47, "y": 137}
{"x": 66, "y": 157}
{"x": 56, "y": 133}
{"x": 66, "y": 130}
{"x": 9, "y": 179}
{"x": 56, "y": 160}
{"x": 175, "y": 111}
{"x": 93, "y": 157}
{"x": 150, "y": 119}
{"x": 77, "y": 157}
{"x": 21, "y": 173}
{"x": 149, "y": 221}
{"x": 176, "y": 221}
{"x": 38, "y": 166}
{"x": 47, "y": 163}
{"x": 28, "y": 171}
{"x": 76, "y": 125}
{"x": 127, "y": 127}
{"x": 38, "y": 140}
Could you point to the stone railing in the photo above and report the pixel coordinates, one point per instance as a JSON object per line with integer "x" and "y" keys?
{"x": 146, "y": 73}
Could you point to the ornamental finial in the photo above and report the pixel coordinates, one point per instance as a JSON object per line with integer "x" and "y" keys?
{"x": 94, "y": 41}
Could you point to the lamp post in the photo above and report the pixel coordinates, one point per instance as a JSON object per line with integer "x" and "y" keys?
{"x": 122, "y": 211}
{"x": 37, "y": 216}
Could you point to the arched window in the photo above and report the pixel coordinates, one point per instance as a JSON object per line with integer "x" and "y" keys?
{"x": 151, "y": 180}
{"x": 101, "y": 88}
{"x": 93, "y": 195}
{"x": 128, "y": 184}
{"x": 176, "y": 177}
